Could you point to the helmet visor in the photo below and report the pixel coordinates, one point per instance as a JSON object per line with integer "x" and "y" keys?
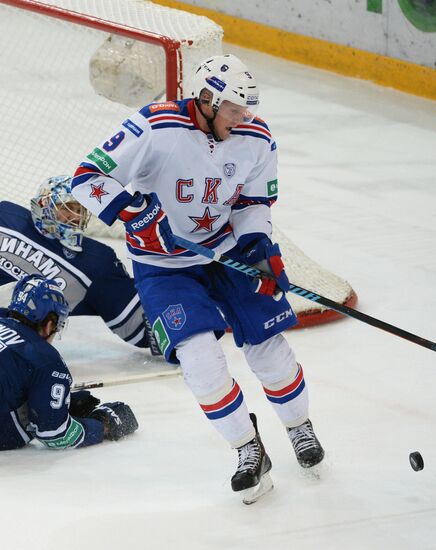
{"x": 236, "y": 114}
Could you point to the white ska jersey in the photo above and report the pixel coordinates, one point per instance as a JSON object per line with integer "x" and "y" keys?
{"x": 212, "y": 192}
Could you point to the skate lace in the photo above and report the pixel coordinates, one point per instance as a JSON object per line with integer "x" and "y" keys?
{"x": 249, "y": 457}
{"x": 303, "y": 437}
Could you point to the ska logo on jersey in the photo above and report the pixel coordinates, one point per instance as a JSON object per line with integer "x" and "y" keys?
{"x": 175, "y": 316}
{"x": 229, "y": 169}
{"x": 97, "y": 191}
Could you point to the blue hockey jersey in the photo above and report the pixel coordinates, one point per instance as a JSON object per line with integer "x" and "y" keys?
{"x": 35, "y": 393}
{"x": 89, "y": 279}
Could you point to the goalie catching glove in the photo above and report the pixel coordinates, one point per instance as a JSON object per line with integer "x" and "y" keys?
{"x": 147, "y": 224}
{"x": 118, "y": 419}
{"x": 264, "y": 255}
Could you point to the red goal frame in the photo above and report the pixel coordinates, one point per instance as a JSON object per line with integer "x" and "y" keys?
{"x": 171, "y": 47}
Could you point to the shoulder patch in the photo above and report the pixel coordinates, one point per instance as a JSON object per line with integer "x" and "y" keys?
{"x": 167, "y": 106}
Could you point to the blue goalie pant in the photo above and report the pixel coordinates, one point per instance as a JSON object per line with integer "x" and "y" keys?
{"x": 182, "y": 302}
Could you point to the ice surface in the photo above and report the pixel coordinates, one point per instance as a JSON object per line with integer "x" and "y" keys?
{"x": 358, "y": 190}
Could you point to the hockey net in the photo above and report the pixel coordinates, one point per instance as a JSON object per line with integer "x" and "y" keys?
{"x": 71, "y": 70}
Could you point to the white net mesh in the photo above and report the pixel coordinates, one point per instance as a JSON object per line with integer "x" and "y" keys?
{"x": 199, "y": 37}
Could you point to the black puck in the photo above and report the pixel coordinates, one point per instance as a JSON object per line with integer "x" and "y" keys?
{"x": 416, "y": 461}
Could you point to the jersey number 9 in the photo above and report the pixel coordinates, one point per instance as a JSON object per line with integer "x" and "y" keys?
{"x": 58, "y": 393}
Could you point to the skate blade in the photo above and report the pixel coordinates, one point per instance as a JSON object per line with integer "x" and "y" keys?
{"x": 253, "y": 494}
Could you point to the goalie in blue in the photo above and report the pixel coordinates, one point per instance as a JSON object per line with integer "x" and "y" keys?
{"x": 50, "y": 241}
{"x": 35, "y": 398}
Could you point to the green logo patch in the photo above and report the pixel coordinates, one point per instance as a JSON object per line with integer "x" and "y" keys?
{"x": 103, "y": 161}
{"x": 74, "y": 432}
{"x": 272, "y": 188}
{"x": 421, "y": 13}
{"x": 161, "y": 335}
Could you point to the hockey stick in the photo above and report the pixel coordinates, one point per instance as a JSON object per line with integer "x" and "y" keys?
{"x": 304, "y": 293}
{"x": 126, "y": 380}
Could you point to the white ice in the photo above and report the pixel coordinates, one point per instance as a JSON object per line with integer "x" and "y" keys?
{"x": 358, "y": 194}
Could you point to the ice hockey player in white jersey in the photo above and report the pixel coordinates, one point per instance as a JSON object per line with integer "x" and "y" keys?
{"x": 205, "y": 169}
{"x": 49, "y": 240}
{"x": 35, "y": 397}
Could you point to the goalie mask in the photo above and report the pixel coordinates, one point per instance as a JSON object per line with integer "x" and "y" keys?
{"x": 231, "y": 90}
{"x": 56, "y": 213}
{"x": 34, "y": 297}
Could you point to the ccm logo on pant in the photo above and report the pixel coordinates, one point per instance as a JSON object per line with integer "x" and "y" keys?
{"x": 278, "y": 318}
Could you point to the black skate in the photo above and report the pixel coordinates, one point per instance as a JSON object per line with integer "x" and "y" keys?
{"x": 307, "y": 448}
{"x": 252, "y": 475}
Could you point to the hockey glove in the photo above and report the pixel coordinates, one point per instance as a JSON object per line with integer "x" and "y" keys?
{"x": 147, "y": 224}
{"x": 118, "y": 419}
{"x": 82, "y": 403}
{"x": 267, "y": 257}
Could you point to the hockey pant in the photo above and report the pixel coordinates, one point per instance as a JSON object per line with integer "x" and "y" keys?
{"x": 206, "y": 373}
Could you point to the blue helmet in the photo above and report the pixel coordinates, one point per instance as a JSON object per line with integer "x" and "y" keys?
{"x": 57, "y": 214}
{"x": 35, "y": 297}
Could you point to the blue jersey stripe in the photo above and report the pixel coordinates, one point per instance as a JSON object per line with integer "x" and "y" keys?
{"x": 110, "y": 213}
{"x": 159, "y": 125}
{"x": 252, "y": 134}
{"x": 260, "y": 123}
{"x": 245, "y": 202}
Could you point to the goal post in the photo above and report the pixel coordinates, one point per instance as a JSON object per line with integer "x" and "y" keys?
{"x": 72, "y": 70}
{"x": 173, "y": 68}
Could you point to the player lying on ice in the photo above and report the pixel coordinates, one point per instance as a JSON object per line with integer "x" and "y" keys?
{"x": 49, "y": 240}
{"x": 206, "y": 169}
{"x": 35, "y": 398}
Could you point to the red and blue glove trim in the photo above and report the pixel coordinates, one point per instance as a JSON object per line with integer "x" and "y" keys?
{"x": 264, "y": 255}
{"x": 147, "y": 225}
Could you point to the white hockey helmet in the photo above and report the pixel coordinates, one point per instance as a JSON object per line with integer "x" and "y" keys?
{"x": 57, "y": 214}
{"x": 228, "y": 79}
